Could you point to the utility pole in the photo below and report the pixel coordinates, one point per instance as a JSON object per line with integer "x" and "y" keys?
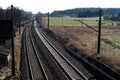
{"x": 82, "y": 23}
{"x": 41, "y": 20}
{"x": 62, "y": 19}
{"x": 99, "y": 33}
{"x": 48, "y": 20}
{"x": 19, "y": 21}
{"x": 99, "y": 36}
{"x": 12, "y": 38}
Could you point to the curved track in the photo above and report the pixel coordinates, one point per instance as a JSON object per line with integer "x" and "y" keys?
{"x": 46, "y": 62}
{"x": 68, "y": 67}
{"x": 36, "y": 70}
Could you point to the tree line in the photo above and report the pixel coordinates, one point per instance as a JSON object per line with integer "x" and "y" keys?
{"x": 19, "y": 15}
{"x": 88, "y": 14}
{"x": 114, "y": 17}
{"x": 85, "y": 12}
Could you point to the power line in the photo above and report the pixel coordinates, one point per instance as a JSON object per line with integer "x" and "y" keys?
{"x": 87, "y": 25}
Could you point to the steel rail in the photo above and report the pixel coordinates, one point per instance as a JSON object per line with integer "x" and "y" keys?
{"x": 38, "y": 58}
{"x": 63, "y": 61}
{"x": 28, "y": 59}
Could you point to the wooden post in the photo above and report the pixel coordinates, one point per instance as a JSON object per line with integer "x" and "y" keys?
{"x": 12, "y": 38}
{"x": 99, "y": 36}
{"x": 19, "y": 21}
{"x": 41, "y": 21}
{"x": 48, "y": 20}
{"x": 82, "y": 23}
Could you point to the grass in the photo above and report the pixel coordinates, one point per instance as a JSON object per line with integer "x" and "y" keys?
{"x": 69, "y": 21}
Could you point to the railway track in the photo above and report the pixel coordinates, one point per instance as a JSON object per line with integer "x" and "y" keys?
{"x": 35, "y": 65}
{"x": 47, "y": 62}
{"x": 99, "y": 70}
{"x": 35, "y": 68}
{"x": 24, "y": 69}
{"x": 70, "y": 70}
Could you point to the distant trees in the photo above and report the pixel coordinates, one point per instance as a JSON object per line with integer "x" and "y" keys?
{"x": 73, "y": 12}
{"x": 18, "y": 14}
{"x": 114, "y": 17}
{"x": 79, "y": 11}
{"x": 38, "y": 16}
{"x": 1, "y": 14}
{"x": 88, "y": 14}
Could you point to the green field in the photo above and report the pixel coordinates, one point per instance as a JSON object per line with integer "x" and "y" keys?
{"x": 70, "y": 21}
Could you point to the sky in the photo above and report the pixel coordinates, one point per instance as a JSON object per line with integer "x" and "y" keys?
{"x": 45, "y": 6}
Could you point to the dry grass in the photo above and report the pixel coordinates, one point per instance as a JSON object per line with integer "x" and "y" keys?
{"x": 5, "y": 72}
{"x": 86, "y": 39}
{"x": 76, "y": 35}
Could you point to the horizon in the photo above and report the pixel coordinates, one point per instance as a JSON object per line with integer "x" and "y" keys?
{"x": 45, "y": 6}
{"x": 66, "y": 9}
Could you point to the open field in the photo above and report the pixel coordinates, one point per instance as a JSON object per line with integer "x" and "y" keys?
{"x": 69, "y": 21}
{"x": 85, "y": 38}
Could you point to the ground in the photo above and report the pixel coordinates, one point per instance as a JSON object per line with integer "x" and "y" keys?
{"x": 5, "y": 72}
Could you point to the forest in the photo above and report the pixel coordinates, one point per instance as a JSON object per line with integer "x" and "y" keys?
{"x": 88, "y": 12}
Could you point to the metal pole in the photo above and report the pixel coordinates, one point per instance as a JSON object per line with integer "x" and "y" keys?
{"x": 87, "y": 25}
{"x": 48, "y": 20}
{"x": 99, "y": 37}
{"x": 13, "y": 60}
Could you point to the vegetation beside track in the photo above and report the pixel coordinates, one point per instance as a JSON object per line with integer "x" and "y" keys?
{"x": 5, "y": 72}
{"x": 85, "y": 38}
